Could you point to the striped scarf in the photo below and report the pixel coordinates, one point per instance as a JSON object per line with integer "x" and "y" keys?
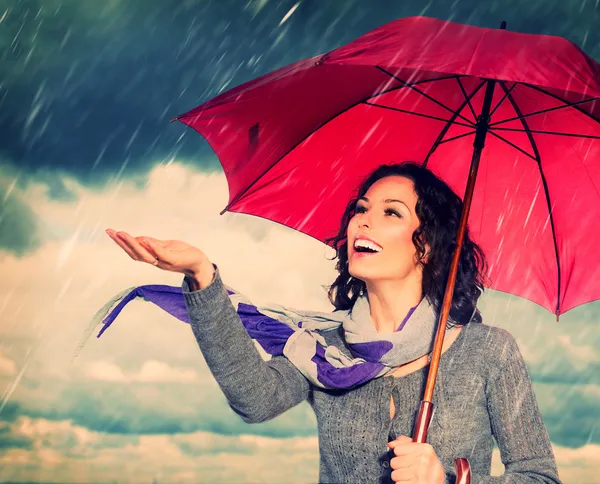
{"x": 298, "y": 334}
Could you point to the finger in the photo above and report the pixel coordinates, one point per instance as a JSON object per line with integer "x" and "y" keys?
{"x": 139, "y": 252}
{"x": 154, "y": 249}
{"x": 400, "y": 438}
{"x": 406, "y": 448}
{"x": 156, "y": 242}
{"x": 143, "y": 241}
{"x": 402, "y": 462}
{"x": 402, "y": 475}
{"x": 121, "y": 243}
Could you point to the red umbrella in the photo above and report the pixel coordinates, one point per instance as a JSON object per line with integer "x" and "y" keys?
{"x": 434, "y": 92}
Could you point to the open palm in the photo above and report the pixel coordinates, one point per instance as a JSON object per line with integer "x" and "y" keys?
{"x": 169, "y": 255}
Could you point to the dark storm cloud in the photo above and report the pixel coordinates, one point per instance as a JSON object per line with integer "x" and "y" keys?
{"x": 19, "y": 226}
{"x": 89, "y": 87}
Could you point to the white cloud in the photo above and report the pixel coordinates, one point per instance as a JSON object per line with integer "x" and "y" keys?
{"x": 584, "y": 353}
{"x": 567, "y": 351}
{"x": 79, "y": 268}
{"x": 575, "y": 466}
{"x": 61, "y": 451}
{"x": 157, "y": 371}
{"x": 7, "y": 366}
{"x": 104, "y": 371}
{"x": 151, "y": 371}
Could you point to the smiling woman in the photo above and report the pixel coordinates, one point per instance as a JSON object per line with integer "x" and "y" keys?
{"x": 415, "y": 215}
{"x": 362, "y": 368}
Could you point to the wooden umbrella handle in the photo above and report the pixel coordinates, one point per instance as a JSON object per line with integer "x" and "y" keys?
{"x": 462, "y": 468}
{"x": 422, "y": 422}
{"x": 461, "y": 465}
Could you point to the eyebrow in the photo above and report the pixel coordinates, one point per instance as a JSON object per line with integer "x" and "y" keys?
{"x": 387, "y": 200}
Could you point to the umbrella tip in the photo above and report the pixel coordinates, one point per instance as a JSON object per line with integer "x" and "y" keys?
{"x": 174, "y": 119}
{"x": 503, "y": 25}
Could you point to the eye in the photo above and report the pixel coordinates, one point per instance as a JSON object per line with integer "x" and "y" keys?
{"x": 360, "y": 209}
{"x": 390, "y": 211}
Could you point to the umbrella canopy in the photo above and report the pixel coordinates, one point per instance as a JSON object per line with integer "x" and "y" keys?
{"x": 296, "y": 143}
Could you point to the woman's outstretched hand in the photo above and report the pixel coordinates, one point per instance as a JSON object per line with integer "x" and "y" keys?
{"x": 169, "y": 255}
{"x": 414, "y": 462}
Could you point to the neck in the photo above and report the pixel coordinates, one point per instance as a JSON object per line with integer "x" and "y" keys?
{"x": 390, "y": 301}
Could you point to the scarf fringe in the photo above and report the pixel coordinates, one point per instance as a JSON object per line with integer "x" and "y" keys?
{"x": 98, "y": 319}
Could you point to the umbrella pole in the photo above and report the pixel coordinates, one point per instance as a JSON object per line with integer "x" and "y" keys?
{"x": 426, "y": 407}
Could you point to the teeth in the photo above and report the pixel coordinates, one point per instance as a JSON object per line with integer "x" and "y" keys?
{"x": 366, "y": 244}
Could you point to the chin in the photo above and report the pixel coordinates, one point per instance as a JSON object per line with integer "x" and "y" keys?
{"x": 363, "y": 273}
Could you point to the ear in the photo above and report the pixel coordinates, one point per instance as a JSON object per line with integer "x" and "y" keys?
{"x": 425, "y": 257}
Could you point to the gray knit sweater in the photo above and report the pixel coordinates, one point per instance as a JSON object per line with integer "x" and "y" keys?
{"x": 483, "y": 391}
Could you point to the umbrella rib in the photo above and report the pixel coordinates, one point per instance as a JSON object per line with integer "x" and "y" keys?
{"x": 415, "y": 113}
{"x": 574, "y": 105}
{"x": 555, "y": 133}
{"x": 449, "y": 124}
{"x": 501, "y": 138}
{"x": 546, "y": 192}
{"x": 462, "y": 88}
{"x": 500, "y": 102}
{"x": 439, "y": 103}
{"x": 457, "y": 137}
{"x": 543, "y": 111}
{"x": 410, "y": 84}
{"x": 304, "y": 138}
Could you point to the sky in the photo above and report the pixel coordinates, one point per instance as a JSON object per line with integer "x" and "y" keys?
{"x": 87, "y": 90}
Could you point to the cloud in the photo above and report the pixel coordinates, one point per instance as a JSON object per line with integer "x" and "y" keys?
{"x": 7, "y": 366}
{"x": 562, "y": 359}
{"x": 63, "y": 452}
{"x": 104, "y": 371}
{"x": 60, "y": 451}
{"x": 578, "y": 465}
{"x": 567, "y": 352}
{"x": 146, "y": 375}
{"x": 151, "y": 371}
{"x": 153, "y": 408}
{"x": 575, "y": 465}
{"x": 19, "y": 227}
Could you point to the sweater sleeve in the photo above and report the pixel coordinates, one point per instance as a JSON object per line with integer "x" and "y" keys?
{"x": 255, "y": 389}
{"x": 517, "y": 424}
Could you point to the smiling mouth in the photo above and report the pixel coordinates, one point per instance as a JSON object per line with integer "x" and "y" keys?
{"x": 364, "y": 246}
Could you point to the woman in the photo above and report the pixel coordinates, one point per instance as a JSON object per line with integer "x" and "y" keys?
{"x": 394, "y": 249}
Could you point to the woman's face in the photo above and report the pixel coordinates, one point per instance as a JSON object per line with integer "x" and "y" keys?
{"x": 386, "y": 218}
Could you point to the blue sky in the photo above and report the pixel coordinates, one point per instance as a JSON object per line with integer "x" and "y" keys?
{"x": 86, "y": 94}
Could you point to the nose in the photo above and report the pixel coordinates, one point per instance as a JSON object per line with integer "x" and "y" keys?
{"x": 363, "y": 220}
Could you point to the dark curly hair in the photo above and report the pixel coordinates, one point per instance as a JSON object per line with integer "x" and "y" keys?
{"x": 438, "y": 209}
